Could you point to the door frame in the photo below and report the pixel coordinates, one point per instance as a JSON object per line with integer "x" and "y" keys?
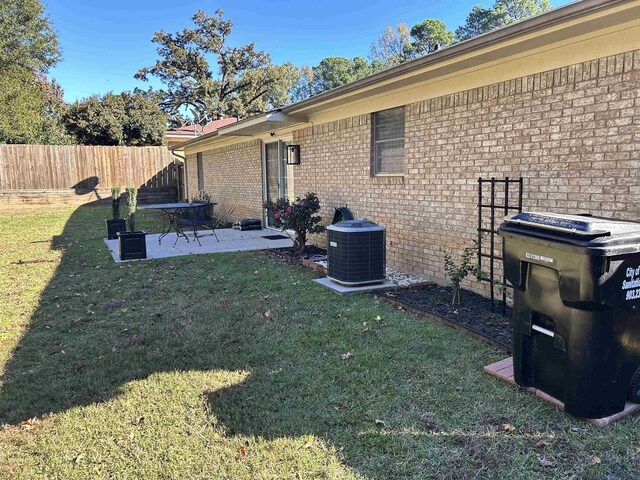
{"x": 281, "y": 138}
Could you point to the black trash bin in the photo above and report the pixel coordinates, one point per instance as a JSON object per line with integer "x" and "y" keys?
{"x": 576, "y": 325}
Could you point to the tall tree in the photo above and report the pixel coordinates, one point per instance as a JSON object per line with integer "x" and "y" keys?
{"x": 330, "y": 73}
{"x": 393, "y": 46}
{"x": 245, "y": 81}
{"x": 27, "y": 38}
{"x": 129, "y": 118}
{"x": 504, "y": 12}
{"x": 428, "y": 36}
{"x": 31, "y": 108}
{"x": 303, "y": 88}
{"x": 516, "y": 10}
{"x": 30, "y": 105}
{"x": 334, "y": 72}
{"x": 51, "y": 128}
{"x": 480, "y": 20}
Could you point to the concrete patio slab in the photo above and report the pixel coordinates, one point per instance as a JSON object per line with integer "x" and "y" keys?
{"x": 342, "y": 289}
{"x": 230, "y": 241}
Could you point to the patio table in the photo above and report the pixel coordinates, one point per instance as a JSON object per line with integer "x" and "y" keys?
{"x": 170, "y": 212}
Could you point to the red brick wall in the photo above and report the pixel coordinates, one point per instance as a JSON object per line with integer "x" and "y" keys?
{"x": 572, "y": 133}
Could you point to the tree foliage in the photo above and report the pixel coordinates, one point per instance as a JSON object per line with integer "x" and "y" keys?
{"x": 516, "y": 10}
{"x": 31, "y": 108}
{"x": 303, "y": 88}
{"x": 244, "y": 81}
{"x": 30, "y": 105}
{"x": 504, "y": 12}
{"x": 428, "y": 36}
{"x": 27, "y": 38}
{"x": 129, "y": 118}
{"x": 399, "y": 44}
{"x": 393, "y": 47}
{"x": 330, "y": 73}
{"x": 480, "y": 20}
{"x": 333, "y": 72}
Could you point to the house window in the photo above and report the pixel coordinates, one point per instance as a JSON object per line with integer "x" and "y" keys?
{"x": 200, "y": 172}
{"x": 388, "y": 142}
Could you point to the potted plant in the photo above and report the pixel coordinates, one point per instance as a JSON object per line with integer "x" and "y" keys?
{"x": 132, "y": 245}
{"x": 115, "y": 224}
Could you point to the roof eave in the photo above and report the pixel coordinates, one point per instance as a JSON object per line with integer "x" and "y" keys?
{"x": 262, "y": 123}
{"x": 559, "y": 15}
{"x": 545, "y": 20}
{"x": 179, "y": 135}
{"x": 182, "y": 145}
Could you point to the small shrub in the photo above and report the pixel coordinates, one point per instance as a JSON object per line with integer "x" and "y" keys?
{"x": 457, "y": 272}
{"x": 299, "y": 216}
{"x": 202, "y": 197}
{"x": 224, "y": 216}
{"x": 115, "y": 202}
{"x": 132, "y": 206}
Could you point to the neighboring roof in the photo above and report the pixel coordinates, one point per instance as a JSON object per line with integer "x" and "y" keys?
{"x": 199, "y": 130}
{"x": 440, "y": 62}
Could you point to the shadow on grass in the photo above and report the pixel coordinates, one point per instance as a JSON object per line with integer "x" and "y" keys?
{"x": 376, "y": 382}
{"x": 60, "y": 360}
{"x": 100, "y": 325}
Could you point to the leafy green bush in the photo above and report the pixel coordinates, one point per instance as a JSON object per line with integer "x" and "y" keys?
{"x": 202, "y": 197}
{"x": 299, "y": 216}
{"x": 457, "y": 272}
{"x": 224, "y": 216}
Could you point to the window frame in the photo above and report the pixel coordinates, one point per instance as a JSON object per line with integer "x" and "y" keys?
{"x": 374, "y": 144}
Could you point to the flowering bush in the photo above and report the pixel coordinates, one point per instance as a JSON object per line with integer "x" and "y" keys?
{"x": 299, "y": 216}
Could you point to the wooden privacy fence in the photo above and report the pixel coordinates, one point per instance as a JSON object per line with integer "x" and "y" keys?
{"x": 58, "y": 173}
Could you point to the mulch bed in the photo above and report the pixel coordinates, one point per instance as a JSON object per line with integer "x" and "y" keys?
{"x": 473, "y": 314}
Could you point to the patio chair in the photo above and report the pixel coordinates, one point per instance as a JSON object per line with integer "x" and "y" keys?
{"x": 195, "y": 217}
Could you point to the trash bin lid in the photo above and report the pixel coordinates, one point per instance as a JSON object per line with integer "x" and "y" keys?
{"x": 361, "y": 225}
{"x": 581, "y": 230}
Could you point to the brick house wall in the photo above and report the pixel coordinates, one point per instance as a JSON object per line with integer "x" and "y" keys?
{"x": 232, "y": 176}
{"x": 573, "y": 133}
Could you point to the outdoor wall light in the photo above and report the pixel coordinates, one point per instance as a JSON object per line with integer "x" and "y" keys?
{"x": 293, "y": 154}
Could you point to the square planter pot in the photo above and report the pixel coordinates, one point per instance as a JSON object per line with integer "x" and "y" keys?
{"x": 115, "y": 226}
{"x": 132, "y": 245}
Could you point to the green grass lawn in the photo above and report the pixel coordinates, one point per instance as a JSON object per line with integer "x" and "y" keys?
{"x": 233, "y": 366}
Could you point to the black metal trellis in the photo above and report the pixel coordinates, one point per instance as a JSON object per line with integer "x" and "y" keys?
{"x": 492, "y": 231}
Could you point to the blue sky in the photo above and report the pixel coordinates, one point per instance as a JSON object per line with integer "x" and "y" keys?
{"x": 105, "y": 42}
